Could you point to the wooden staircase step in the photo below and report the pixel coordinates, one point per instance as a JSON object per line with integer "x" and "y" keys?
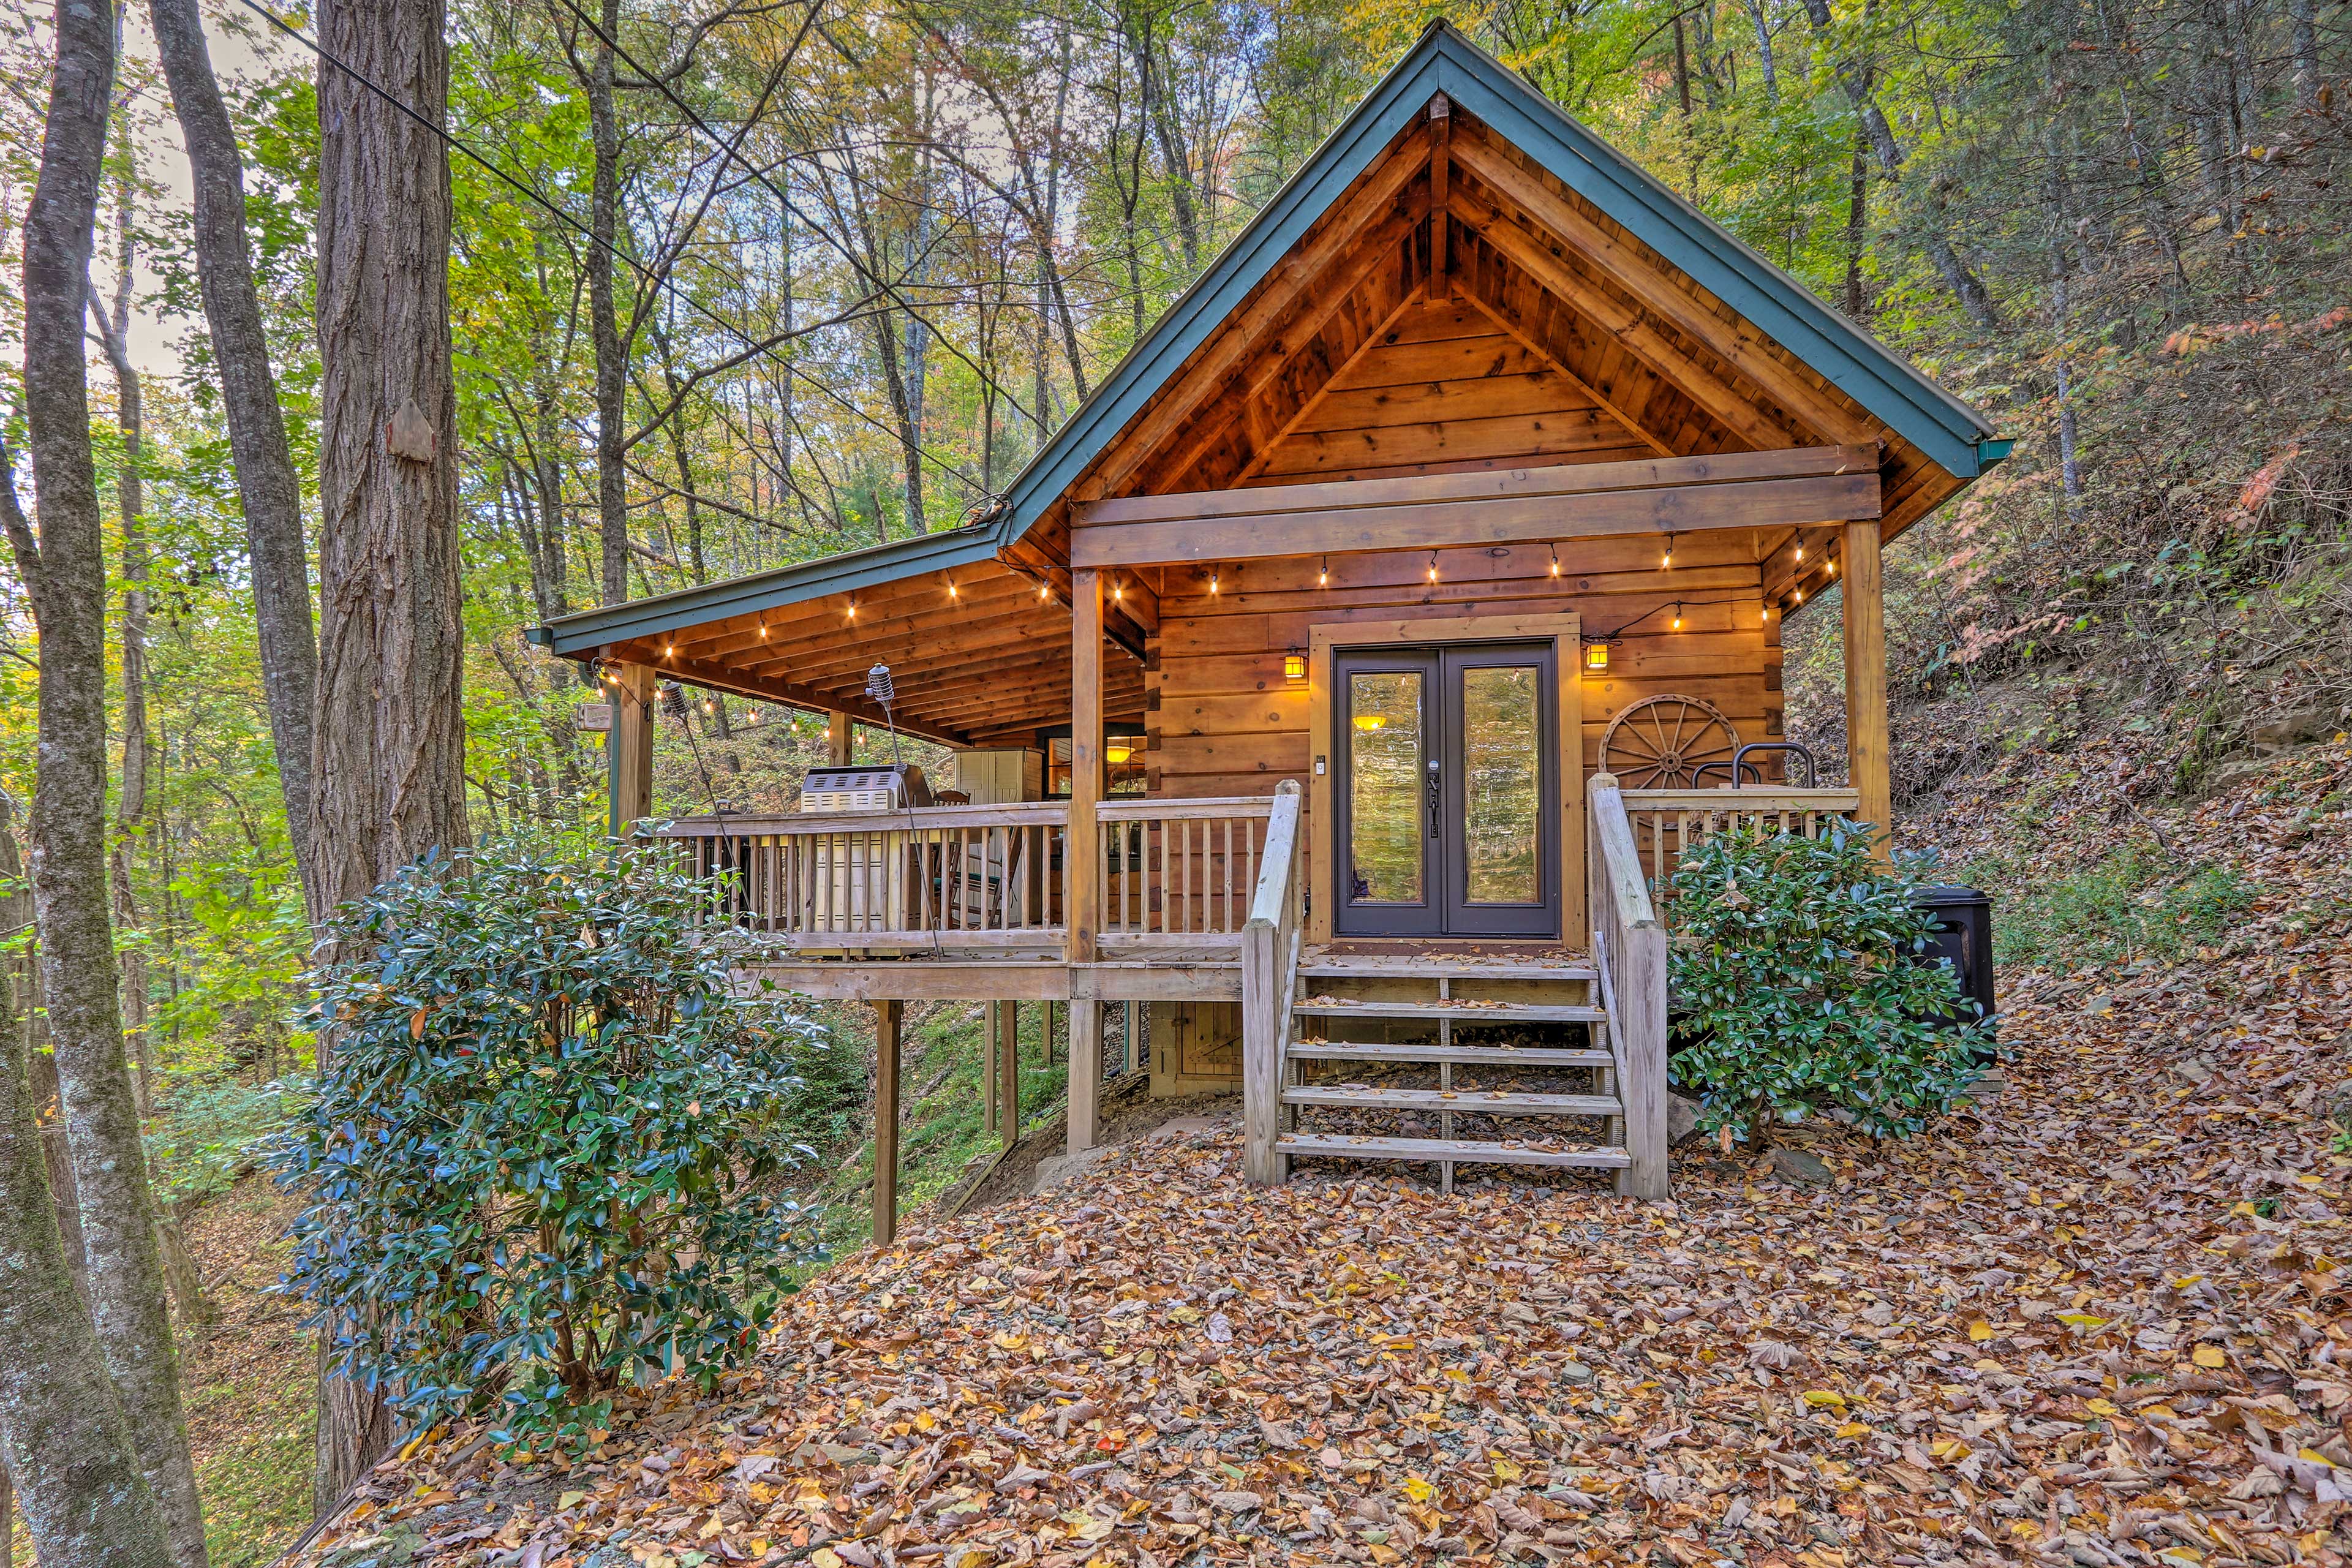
{"x": 1459, "y": 1012}
{"x": 1457, "y": 1151}
{"x": 1434, "y": 967}
{"x": 1476, "y": 1101}
{"x": 1499, "y": 1055}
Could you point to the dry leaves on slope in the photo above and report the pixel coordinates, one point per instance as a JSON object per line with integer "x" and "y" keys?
{"x": 2098, "y": 1320}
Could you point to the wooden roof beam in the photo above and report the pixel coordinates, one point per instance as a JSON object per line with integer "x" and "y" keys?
{"x": 1737, "y": 489}
{"x": 1728, "y": 405}
{"x": 1737, "y": 344}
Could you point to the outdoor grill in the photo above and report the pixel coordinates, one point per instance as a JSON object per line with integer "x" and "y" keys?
{"x": 863, "y": 789}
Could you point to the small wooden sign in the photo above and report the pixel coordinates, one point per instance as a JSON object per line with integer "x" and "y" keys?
{"x": 596, "y": 717}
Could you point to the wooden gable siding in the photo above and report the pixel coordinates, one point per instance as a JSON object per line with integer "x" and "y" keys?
{"x": 1221, "y": 719}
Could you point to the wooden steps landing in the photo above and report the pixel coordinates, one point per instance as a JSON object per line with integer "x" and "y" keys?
{"x": 1375, "y": 996}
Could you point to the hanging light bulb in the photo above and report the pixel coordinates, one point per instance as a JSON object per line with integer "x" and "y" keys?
{"x": 853, "y": 606}
{"x": 1832, "y": 565}
{"x": 1323, "y": 574}
{"x": 1554, "y": 559}
{"x": 1679, "y": 617}
{"x": 1801, "y": 549}
{"x": 1118, "y": 593}
{"x": 1798, "y": 597}
{"x": 952, "y": 588}
{"x": 1213, "y": 579}
{"x": 1433, "y": 565}
{"x": 668, "y": 649}
{"x": 1667, "y": 563}
{"x": 1045, "y": 589}
{"x": 763, "y": 633}
{"x": 709, "y": 706}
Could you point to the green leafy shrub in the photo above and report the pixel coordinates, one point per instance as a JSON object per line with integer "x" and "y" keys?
{"x": 546, "y": 1152}
{"x": 1794, "y": 968}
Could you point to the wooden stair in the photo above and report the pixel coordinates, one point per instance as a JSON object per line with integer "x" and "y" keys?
{"x": 1340, "y": 999}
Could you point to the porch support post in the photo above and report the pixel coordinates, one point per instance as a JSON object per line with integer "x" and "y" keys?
{"x": 1086, "y": 1073}
{"x": 837, "y": 739}
{"x": 988, "y": 1065}
{"x": 1081, "y": 852}
{"x": 629, "y": 748}
{"x": 1008, "y": 1067}
{"x": 1131, "y": 1046}
{"x": 885, "y": 1122}
{"x": 1867, "y": 767}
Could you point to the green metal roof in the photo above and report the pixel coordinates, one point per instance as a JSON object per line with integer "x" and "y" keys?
{"x": 1953, "y": 435}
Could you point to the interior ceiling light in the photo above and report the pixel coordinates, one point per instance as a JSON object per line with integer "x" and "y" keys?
{"x": 1116, "y": 751}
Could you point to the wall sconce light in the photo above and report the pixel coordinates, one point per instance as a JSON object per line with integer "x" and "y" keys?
{"x": 1596, "y": 658}
{"x": 1116, "y": 751}
{"x": 1294, "y": 666}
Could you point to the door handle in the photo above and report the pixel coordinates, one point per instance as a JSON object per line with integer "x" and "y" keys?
{"x": 1435, "y": 794}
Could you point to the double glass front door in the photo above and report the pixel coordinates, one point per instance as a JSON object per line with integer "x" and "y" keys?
{"x": 1445, "y": 791}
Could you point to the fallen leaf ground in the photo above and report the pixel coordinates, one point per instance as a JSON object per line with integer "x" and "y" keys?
{"x": 2099, "y": 1319}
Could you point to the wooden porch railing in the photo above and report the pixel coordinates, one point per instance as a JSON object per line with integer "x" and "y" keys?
{"x": 1269, "y": 977}
{"x": 1178, "y": 870}
{"x": 929, "y": 877}
{"x": 1665, "y": 822}
{"x": 1629, "y": 948}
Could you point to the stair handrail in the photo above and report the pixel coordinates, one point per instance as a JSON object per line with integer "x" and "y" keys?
{"x": 1270, "y": 942}
{"x": 1629, "y": 950}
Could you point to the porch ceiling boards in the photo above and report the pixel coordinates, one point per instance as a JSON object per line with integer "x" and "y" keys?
{"x": 987, "y": 660}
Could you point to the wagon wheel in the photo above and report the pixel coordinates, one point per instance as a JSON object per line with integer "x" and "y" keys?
{"x": 1663, "y": 741}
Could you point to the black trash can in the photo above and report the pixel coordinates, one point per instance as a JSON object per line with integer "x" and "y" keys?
{"x": 1963, "y": 937}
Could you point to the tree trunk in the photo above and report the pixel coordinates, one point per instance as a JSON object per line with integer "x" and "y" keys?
{"x": 131, "y": 805}
{"x": 389, "y": 743}
{"x": 267, "y": 489}
{"x": 60, "y": 1429}
{"x": 605, "y": 327}
{"x": 66, "y": 570}
{"x": 1857, "y": 219}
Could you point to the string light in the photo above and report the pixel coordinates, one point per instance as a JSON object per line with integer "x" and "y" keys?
{"x": 853, "y": 606}
{"x": 1213, "y": 579}
{"x": 1433, "y": 565}
{"x": 669, "y": 649}
{"x": 709, "y": 706}
{"x": 1800, "y": 551}
{"x": 1045, "y": 589}
{"x": 1832, "y": 565}
{"x": 1554, "y": 559}
{"x": 1118, "y": 593}
{"x": 1668, "y": 564}
{"x": 764, "y": 632}
{"x": 952, "y": 588}
{"x": 1798, "y": 596}
{"x": 1679, "y": 617}
{"x": 1323, "y": 575}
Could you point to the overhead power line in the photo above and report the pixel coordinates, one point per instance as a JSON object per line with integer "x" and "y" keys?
{"x": 650, "y": 278}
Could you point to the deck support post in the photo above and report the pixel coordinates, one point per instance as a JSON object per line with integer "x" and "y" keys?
{"x": 1131, "y": 1048}
{"x": 1082, "y": 849}
{"x": 1008, "y": 1069}
{"x": 630, "y": 748}
{"x": 988, "y": 1065}
{"x": 886, "y": 1121}
{"x": 838, "y": 739}
{"x": 1085, "y": 1074}
{"x": 1868, "y": 767}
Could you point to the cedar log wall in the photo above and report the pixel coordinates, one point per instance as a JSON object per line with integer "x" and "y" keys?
{"x": 1449, "y": 393}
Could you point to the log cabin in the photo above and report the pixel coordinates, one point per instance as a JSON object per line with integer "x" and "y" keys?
{"x": 1336, "y": 687}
